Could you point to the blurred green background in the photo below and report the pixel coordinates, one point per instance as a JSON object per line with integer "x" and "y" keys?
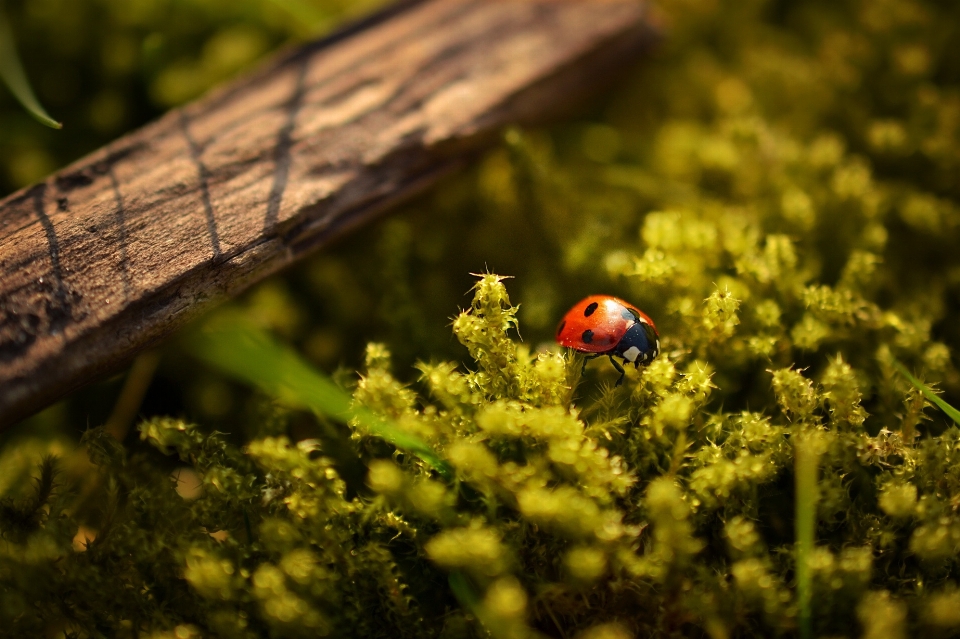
{"x": 103, "y": 67}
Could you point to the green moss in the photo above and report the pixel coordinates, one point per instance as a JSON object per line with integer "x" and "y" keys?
{"x": 548, "y": 521}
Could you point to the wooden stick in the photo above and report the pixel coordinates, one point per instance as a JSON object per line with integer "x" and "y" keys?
{"x": 104, "y": 258}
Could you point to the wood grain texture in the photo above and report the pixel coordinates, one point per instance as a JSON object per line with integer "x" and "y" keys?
{"x": 107, "y": 256}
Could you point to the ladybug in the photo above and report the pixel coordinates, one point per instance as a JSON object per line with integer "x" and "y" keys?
{"x": 605, "y": 325}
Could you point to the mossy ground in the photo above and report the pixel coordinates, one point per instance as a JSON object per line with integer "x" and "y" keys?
{"x": 777, "y": 188}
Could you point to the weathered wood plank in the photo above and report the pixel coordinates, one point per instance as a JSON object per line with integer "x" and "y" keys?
{"x": 122, "y": 247}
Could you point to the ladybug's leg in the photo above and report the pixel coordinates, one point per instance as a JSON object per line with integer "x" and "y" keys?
{"x": 587, "y": 358}
{"x": 619, "y": 368}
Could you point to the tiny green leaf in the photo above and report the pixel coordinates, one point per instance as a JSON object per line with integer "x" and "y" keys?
{"x": 951, "y": 412}
{"x": 12, "y": 74}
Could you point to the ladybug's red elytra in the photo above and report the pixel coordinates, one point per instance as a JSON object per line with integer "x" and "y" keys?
{"x": 605, "y": 325}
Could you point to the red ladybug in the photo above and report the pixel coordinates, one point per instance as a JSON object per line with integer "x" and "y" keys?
{"x": 604, "y": 325}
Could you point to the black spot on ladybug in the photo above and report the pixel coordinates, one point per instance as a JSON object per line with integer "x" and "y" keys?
{"x": 560, "y": 328}
{"x": 587, "y": 336}
{"x": 588, "y": 311}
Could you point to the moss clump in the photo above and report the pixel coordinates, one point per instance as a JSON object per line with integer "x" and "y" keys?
{"x": 654, "y": 513}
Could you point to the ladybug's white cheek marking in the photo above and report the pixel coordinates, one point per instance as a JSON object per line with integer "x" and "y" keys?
{"x": 631, "y": 353}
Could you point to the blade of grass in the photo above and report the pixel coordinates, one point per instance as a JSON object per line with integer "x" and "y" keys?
{"x": 463, "y": 591}
{"x": 131, "y": 395}
{"x": 951, "y": 412}
{"x": 250, "y": 355}
{"x": 466, "y": 594}
{"x": 807, "y": 460}
{"x": 11, "y": 72}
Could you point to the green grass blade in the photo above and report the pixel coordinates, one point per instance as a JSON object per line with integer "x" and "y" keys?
{"x": 11, "y": 72}
{"x": 252, "y": 356}
{"x": 463, "y": 591}
{"x": 951, "y": 412}
{"x": 807, "y": 452}
{"x": 132, "y": 394}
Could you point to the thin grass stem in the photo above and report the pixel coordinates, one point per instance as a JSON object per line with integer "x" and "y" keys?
{"x": 807, "y": 451}
{"x": 12, "y": 74}
{"x": 951, "y": 412}
{"x": 131, "y": 395}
